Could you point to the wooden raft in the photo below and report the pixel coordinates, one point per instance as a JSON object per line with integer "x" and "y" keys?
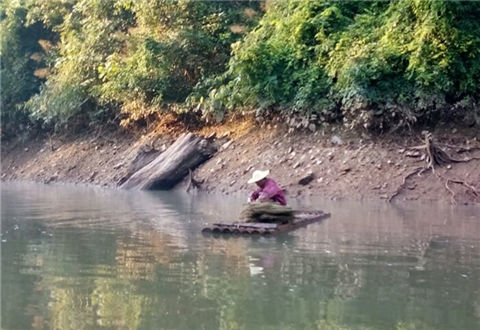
{"x": 302, "y": 218}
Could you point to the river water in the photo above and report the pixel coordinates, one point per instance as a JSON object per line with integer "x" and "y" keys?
{"x": 90, "y": 258}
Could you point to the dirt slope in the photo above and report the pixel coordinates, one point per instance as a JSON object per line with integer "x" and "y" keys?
{"x": 338, "y": 164}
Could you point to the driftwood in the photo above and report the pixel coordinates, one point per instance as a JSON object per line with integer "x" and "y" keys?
{"x": 142, "y": 159}
{"x": 192, "y": 182}
{"x": 171, "y": 166}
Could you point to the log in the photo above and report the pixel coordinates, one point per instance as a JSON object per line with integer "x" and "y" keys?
{"x": 171, "y": 166}
{"x": 142, "y": 159}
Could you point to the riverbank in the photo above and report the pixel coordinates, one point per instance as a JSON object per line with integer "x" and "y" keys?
{"x": 330, "y": 162}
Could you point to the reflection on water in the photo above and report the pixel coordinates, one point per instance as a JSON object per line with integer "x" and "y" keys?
{"x": 77, "y": 257}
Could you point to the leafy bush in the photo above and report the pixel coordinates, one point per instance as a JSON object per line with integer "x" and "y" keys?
{"x": 18, "y": 82}
{"x": 282, "y": 62}
{"x": 377, "y": 65}
{"x": 88, "y": 35}
{"x": 412, "y": 64}
{"x": 173, "y": 46}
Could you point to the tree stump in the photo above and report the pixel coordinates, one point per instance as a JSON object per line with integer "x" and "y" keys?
{"x": 171, "y": 166}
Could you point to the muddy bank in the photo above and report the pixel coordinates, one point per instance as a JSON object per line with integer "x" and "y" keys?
{"x": 329, "y": 163}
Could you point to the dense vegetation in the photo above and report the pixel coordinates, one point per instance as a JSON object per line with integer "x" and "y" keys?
{"x": 378, "y": 65}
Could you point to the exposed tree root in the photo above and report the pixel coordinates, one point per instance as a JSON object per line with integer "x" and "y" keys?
{"x": 435, "y": 156}
{"x": 460, "y": 149}
{"x": 399, "y": 189}
{"x": 461, "y": 182}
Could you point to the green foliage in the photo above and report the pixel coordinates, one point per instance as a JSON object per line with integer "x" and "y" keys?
{"x": 282, "y": 62}
{"x": 121, "y": 56}
{"x": 18, "y": 83}
{"x": 415, "y": 61}
{"x": 376, "y": 64}
{"x": 91, "y": 33}
{"x": 173, "y": 46}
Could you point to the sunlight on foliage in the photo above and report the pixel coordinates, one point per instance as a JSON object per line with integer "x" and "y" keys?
{"x": 374, "y": 65}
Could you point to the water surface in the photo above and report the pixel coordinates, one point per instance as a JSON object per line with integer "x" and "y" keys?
{"x": 91, "y": 258}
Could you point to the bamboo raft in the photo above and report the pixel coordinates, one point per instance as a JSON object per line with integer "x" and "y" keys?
{"x": 302, "y": 219}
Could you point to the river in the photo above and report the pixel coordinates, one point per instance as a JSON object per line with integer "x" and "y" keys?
{"x": 76, "y": 257}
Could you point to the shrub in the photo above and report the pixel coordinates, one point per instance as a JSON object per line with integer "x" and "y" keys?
{"x": 18, "y": 82}
{"x": 377, "y": 65}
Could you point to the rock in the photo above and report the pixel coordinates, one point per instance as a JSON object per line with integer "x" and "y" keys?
{"x": 92, "y": 175}
{"x": 297, "y": 164}
{"x": 245, "y": 171}
{"x": 219, "y": 160}
{"x": 413, "y": 153}
{"x": 345, "y": 170}
{"x": 26, "y": 149}
{"x": 336, "y": 140}
{"x": 401, "y": 151}
{"x": 117, "y": 166}
{"x": 226, "y": 145}
{"x": 320, "y": 180}
{"x": 312, "y": 127}
{"x": 51, "y": 179}
{"x": 233, "y": 182}
{"x": 306, "y": 179}
{"x": 305, "y": 122}
{"x": 412, "y": 186}
{"x": 449, "y": 167}
{"x": 290, "y": 150}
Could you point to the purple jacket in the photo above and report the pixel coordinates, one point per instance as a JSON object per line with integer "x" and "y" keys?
{"x": 271, "y": 191}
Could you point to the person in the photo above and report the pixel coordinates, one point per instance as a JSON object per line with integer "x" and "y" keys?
{"x": 268, "y": 190}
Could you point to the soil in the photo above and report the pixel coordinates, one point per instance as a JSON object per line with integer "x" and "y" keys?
{"x": 330, "y": 162}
